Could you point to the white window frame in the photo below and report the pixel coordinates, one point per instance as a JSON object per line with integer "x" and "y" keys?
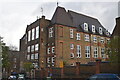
{"x": 87, "y": 51}
{"x": 36, "y": 55}
{"x": 36, "y": 47}
{"x": 15, "y": 66}
{"x": 78, "y": 51}
{"x": 94, "y": 39}
{"x": 32, "y": 56}
{"x": 87, "y": 37}
{"x": 48, "y": 50}
{"x": 72, "y": 55}
{"x": 85, "y": 27}
{"x": 32, "y": 48}
{"x": 48, "y": 59}
{"x": 103, "y": 52}
{"x": 42, "y": 29}
{"x": 53, "y": 49}
{"x": 93, "y": 28}
{"x": 100, "y": 31}
{"x": 71, "y": 46}
{"x": 71, "y": 33}
{"x": 73, "y": 64}
{"x": 107, "y": 33}
{"x": 33, "y": 34}
{"x": 53, "y": 59}
{"x": 28, "y": 56}
{"x": 102, "y": 40}
{"x": 78, "y": 36}
{"x": 95, "y": 52}
{"x": 29, "y": 35}
{"x": 50, "y": 32}
{"x": 37, "y": 32}
{"x": 28, "y": 49}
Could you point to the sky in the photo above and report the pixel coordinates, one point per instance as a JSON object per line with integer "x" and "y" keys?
{"x": 15, "y": 15}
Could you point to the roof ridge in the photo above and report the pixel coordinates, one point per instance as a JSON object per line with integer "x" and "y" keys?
{"x": 82, "y": 14}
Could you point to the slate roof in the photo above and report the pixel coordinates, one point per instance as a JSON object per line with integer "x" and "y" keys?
{"x": 74, "y": 19}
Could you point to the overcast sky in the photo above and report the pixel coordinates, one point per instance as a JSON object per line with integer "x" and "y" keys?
{"x": 15, "y": 15}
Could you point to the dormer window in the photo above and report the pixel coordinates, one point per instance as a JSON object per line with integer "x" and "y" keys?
{"x": 85, "y": 27}
{"x": 93, "y": 28}
{"x": 100, "y": 30}
{"x": 107, "y": 33}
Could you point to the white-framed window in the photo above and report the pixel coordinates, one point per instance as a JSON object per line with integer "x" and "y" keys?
{"x": 48, "y": 59}
{"x": 53, "y": 60}
{"x": 102, "y": 52}
{"x": 107, "y": 33}
{"x": 48, "y": 50}
{"x": 53, "y": 65}
{"x": 78, "y": 36}
{"x": 15, "y": 60}
{"x": 36, "y": 47}
{"x": 28, "y": 49}
{"x": 71, "y": 33}
{"x": 71, "y": 55}
{"x": 28, "y": 57}
{"x": 95, "y": 39}
{"x": 78, "y": 51}
{"x": 95, "y": 52}
{"x": 87, "y": 37}
{"x": 102, "y": 40}
{"x": 53, "y": 49}
{"x": 37, "y": 32}
{"x": 73, "y": 64}
{"x": 48, "y": 65}
{"x": 32, "y": 48}
{"x": 29, "y": 35}
{"x": 32, "y": 56}
{"x": 36, "y": 55}
{"x": 85, "y": 27}
{"x": 100, "y": 31}
{"x": 87, "y": 51}
{"x": 71, "y": 46}
{"x": 50, "y": 32}
{"x": 15, "y": 66}
{"x": 93, "y": 28}
{"x": 33, "y": 34}
{"x": 42, "y": 29}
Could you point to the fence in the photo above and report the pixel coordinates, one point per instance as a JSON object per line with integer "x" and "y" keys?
{"x": 80, "y": 70}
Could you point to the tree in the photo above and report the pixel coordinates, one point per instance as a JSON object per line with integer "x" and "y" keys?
{"x": 13, "y": 48}
{"x": 5, "y": 56}
{"x": 28, "y": 66}
{"x": 113, "y": 50}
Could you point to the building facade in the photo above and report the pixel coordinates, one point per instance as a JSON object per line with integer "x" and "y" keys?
{"x": 116, "y": 31}
{"x": 67, "y": 38}
{"x": 33, "y": 43}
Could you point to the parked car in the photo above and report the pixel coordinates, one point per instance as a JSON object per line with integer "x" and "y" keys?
{"x": 104, "y": 77}
{"x": 12, "y": 77}
{"x": 21, "y": 76}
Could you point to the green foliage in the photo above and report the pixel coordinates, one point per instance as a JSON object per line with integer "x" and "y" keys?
{"x": 114, "y": 50}
{"x": 5, "y": 56}
{"x": 28, "y": 66}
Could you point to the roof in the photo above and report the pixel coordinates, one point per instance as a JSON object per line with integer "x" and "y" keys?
{"x": 116, "y": 31}
{"x": 74, "y": 19}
